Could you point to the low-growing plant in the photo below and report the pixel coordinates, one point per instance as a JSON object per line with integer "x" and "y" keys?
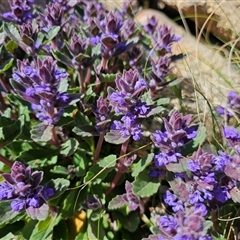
{"x": 90, "y": 148}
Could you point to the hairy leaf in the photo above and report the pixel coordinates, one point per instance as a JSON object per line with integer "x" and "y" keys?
{"x": 117, "y": 202}
{"x": 59, "y": 185}
{"x": 144, "y": 185}
{"x": 69, "y": 147}
{"x": 41, "y": 132}
{"x": 142, "y": 164}
{"x": 108, "y": 162}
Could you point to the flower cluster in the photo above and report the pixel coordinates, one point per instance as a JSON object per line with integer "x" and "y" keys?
{"x": 175, "y": 135}
{"x": 102, "y": 112}
{"x": 39, "y": 84}
{"x": 232, "y": 106}
{"x": 22, "y": 188}
{"x": 126, "y": 100}
{"x": 113, "y": 33}
{"x": 21, "y": 12}
{"x": 162, "y": 40}
{"x": 188, "y": 224}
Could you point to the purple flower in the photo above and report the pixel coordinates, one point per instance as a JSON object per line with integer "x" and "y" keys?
{"x": 232, "y": 106}
{"x": 130, "y": 83}
{"x": 160, "y": 70}
{"x": 126, "y": 99}
{"x": 102, "y": 112}
{"x": 168, "y": 224}
{"x": 176, "y": 134}
{"x": 162, "y": 39}
{"x": 150, "y": 26}
{"x": 38, "y": 83}
{"x": 185, "y": 225}
{"x": 21, "y": 12}
{"x": 21, "y": 186}
{"x": 231, "y": 133}
{"x": 128, "y": 127}
{"x": 173, "y": 201}
{"x": 53, "y": 17}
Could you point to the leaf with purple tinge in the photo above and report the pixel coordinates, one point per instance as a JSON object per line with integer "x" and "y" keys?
{"x": 38, "y": 213}
{"x": 233, "y": 172}
{"x": 235, "y": 194}
{"x": 117, "y": 202}
{"x": 181, "y": 166}
{"x": 41, "y": 132}
{"x": 85, "y": 131}
{"x": 115, "y": 137}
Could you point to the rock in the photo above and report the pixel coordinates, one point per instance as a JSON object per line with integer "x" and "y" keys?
{"x": 221, "y": 18}
{"x": 205, "y": 71}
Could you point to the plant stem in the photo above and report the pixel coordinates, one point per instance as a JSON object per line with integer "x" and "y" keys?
{"x": 146, "y": 220}
{"x": 98, "y": 148}
{"x": 4, "y": 84}
{"x": 88, "y": 76}
{"x": 81, "y": 82}
{"x": 55, "y": 139}
{"x": 6, "y": 161}
{"x": 119, "y": 173}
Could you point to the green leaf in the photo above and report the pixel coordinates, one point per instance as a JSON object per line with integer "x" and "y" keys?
{"x": 115, "y": 137}
{"x": 62, "y": 58}
{"x": 41, "y": 132}
{"x": 60, "y": 170}
{"x": 7, "y": 215}
{"x": 129, "y": 222}
{"x": 163, "y": 101}
{"x": 117, "y": 202}
{"x": 11, "y": 31}
{"x": 44, "y": 229}
{"x": 144, "y": 185}
{"x": 52, "y": 32}
{"x": 63, "y": 85}
{"x": 201, "y": 136}
{"x": 8, "y": 236}
{"x": 108, "y": 162}
{"x": 38, "y": 154}
{"x": 59, "y": 185}
{"x": 7, "y": 65}
{"x": 11, "y": 46}
{"x": 64, "y": 120}
{"x": 2, "y": 37}
{"x": 73, "y": 201}
{"x": 79, "y": 160}
{"x": 94, "y": 172}
{"x": 181, "y": 166}
{"x": 81, "y": 119}
{"x": 13, "y": 228}
{"x": 95, "y": 229}
{"x": 107, "y": 77}
{"x": 142, "y": 164}
{"x": 69, "y": 147}
{"x": 85, "y": 131}
{"x": 28, "y": 228}
{"x": 96, "y": 50}
{"x": 60, "y": 232}
{"x": 218, "y": 236}
{"x": 9, "y": 131}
